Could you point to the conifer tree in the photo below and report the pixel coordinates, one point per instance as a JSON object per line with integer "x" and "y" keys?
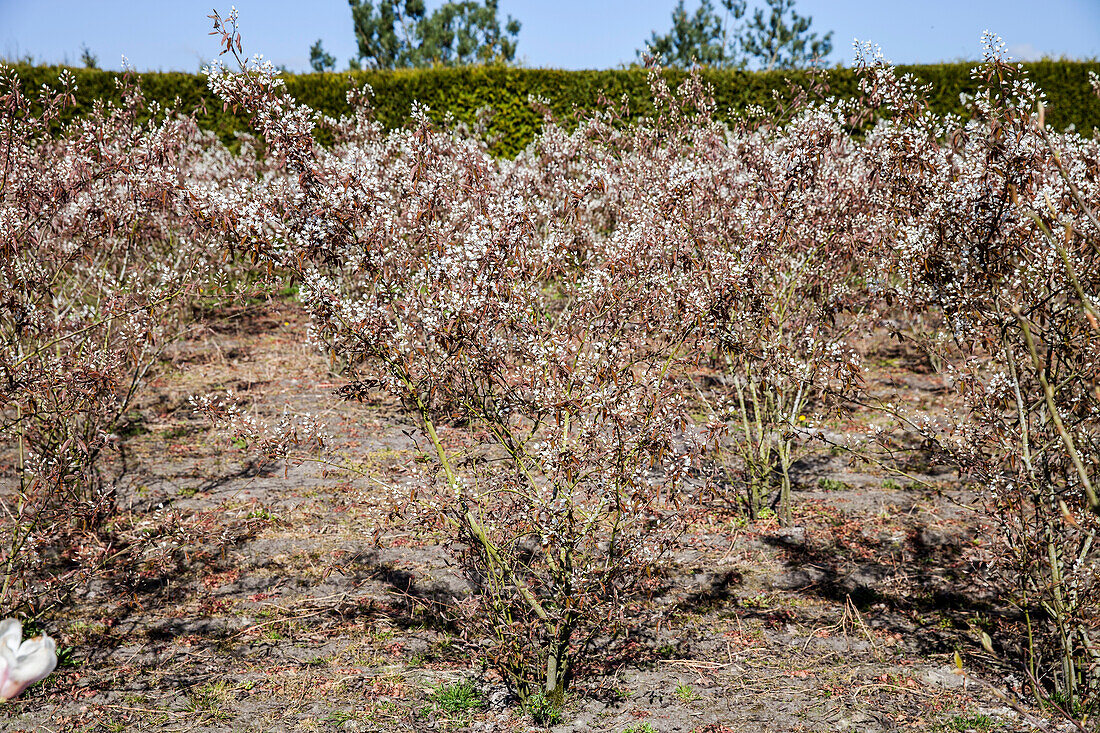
{"x": 702, "y": 37}
{"x": 319, "y": 59}
{"x": 781, "y": 38}
{"x": 401, "y": 33}
{"x": 775, "y": 37}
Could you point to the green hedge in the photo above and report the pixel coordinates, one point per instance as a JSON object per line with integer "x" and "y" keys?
{"x": 462, "y": 91}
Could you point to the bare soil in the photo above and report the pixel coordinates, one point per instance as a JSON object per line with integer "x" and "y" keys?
{"x": 303, "y": 617}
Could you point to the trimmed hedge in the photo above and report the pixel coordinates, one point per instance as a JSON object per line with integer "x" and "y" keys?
{"x": 462, "y": 91}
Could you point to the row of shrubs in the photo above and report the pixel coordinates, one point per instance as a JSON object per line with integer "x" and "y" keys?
{"x": 506, "y": 90}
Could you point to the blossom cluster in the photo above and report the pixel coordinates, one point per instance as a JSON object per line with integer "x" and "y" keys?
{"x": 593, "y": 335}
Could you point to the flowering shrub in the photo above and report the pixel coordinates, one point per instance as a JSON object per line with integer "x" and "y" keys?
{"x": 546, "y": 321}
{"x": 997, "y": 232}
{"x": 766, "y": 228}
{"x": 433, "y": 282}
{"x": 584, "y": 332}
{"x": 95, "y": 255}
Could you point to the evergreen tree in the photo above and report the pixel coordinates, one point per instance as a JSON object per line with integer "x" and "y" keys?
{"x": 89, "y": 59}
{"x": 781, "y": 39}
{"x": 702, "y": 37}
{"x": 776, "y": 37}
{"x": 400, "y": 33}
{"x": 466, "y": 33}
{"x": 384, "y": 33}
{"x": 319, "y": 59}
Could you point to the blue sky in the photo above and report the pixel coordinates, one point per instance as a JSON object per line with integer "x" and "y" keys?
{"x": 571, "y": 34}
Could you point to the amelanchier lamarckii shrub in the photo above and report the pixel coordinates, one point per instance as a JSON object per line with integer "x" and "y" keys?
{"x": 992, "y": 222}
{"x": 96, "y": 257}
{"x": 432, "y": 281}
{"x": 563, "y": 304}
{"x": 648, "y": 303}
